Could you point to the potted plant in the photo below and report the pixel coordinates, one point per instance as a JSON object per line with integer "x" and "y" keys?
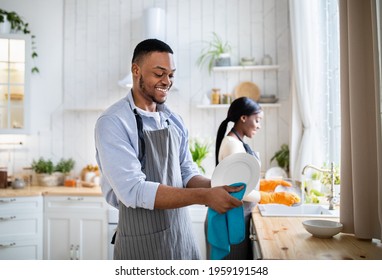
{"x": 217, "y": 53}
{"x": 5, "y": 25}
{"x": 63, "y": 168}
{"x": 65, "y": 165}
{"x": 199, "y": 152}
{"x": 44, "y": 169}
{"x": 282, "y": 157}
{"x": 17, "y": 24}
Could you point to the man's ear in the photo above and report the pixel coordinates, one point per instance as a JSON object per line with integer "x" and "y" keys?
{"x": 135, "y": 69}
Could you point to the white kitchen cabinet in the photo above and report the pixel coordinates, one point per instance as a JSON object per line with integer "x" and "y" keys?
{"x": 198, "y": 215}
{"x": 14, "y": 83}
{"x": 75, "y": 228}
{"x": 21, "y": 228}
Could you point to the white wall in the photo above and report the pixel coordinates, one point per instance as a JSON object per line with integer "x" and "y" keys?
{"x": 85, "y": 47}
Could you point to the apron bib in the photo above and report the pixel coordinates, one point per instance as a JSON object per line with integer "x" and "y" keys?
{"x": 157, "y": 234}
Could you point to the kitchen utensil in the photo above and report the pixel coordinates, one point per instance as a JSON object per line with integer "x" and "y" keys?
{"x": 18, "y": 183}
{"x": 268, "y": 99}
{"x": 240, "y": 167}
{"x": 322, "y": 228}
{"x": 267, "y": 60}
{"x": 247, "y": 61}
{"x": 248, "y": 89}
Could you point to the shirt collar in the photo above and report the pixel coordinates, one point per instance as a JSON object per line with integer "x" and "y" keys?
{"x": 162, "y": 108}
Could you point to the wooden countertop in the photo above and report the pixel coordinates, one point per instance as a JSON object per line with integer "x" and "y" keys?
{"x": 285, "y": 238}
{"x": 60, "y": 190}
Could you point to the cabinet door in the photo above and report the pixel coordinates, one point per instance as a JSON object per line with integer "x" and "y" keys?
{"x": 75, "y": 228}
{"x": 198, "y": 215}
{"x": 91, "y": 232}
{"x": 57, "y": 240}
{"x": 14, "y": 83}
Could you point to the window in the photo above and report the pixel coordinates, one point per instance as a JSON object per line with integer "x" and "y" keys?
{"x": 332, "y": 110}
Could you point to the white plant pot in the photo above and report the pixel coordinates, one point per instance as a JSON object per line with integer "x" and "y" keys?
{"x": 5, "y": 27}
{"x": 223, "y": 60}
{"x": 50, "y": 180}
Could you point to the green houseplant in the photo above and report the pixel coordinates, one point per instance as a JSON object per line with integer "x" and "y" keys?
{"x": 62, "y": 169}
{"x": 43, "y": 166}
{"x": 65, "y": 165}
{"x": 217, "y": 53}
{"x": 282, "y": 157}
{"x": 44, "y": 169}
{"x": 19, "y": 25}
{"x": 199, "y": 152}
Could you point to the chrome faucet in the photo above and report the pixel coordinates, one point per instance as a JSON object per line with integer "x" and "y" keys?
{"x": 331, "y": 171}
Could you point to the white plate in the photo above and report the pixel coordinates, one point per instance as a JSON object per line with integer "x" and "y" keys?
{"x": 240, "y": 167}
{"x": 275, "y": 173}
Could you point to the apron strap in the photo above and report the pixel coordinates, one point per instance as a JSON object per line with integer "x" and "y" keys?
{"x": 246, "y": 146}
{"x": 142, "y": 146}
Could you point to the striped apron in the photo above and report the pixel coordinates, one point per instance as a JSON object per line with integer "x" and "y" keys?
{"x": 157, "y": 234}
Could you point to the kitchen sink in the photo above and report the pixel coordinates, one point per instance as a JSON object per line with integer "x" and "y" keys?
{"x": 303, "y": 210}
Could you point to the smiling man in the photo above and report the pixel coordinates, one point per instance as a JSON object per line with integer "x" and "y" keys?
{"x": 146, "y": 166}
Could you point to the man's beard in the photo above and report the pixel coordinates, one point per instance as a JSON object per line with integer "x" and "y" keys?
{"x": 147, "y": 94}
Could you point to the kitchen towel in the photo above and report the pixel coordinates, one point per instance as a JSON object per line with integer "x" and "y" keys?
{"x": 226, "y": 229}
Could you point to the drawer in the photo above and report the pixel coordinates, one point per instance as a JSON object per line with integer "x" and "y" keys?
{"x": 21, "y": 204}
{"x": 74, "y": 203}
{"x": 21, "y": 250}
{"x": 20, "y": 226}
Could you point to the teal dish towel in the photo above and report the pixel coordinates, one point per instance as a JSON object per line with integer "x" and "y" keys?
{"x": 226, "y": 229}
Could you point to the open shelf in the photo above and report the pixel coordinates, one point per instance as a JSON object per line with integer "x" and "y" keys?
{"x": 222, "y": 106}
{"x": 245, "y": 68}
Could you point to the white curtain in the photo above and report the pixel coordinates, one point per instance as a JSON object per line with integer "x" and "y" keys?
{"x": 361, "y": 147}
{"x": 308, "y": 85}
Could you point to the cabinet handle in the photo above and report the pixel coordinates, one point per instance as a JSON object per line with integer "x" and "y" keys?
{"x": 7, "y": 200}
{"x": 71, "y": 251}
{"x": 77, "y": 252}
{"x": 8, "y": 245}
{"x": 257, "y": 255}
{"x": 7, "y": 218}
{"x": 76, "y": 199}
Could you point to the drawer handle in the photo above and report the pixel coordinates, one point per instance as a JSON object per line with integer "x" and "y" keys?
{"x": 7, "y": 218}
{"x": 75, "y": 199}
{"x": 8, "y": 245}
{"x": 7, "y": 200}
{"x": 77, "y": 252}
{"x": 71, "y": 251}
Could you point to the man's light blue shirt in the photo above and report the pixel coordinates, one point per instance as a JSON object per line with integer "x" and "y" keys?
{"x": 117, "y": 149}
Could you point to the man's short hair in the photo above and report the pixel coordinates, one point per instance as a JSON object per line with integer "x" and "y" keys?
{"x": 148, "y": 46}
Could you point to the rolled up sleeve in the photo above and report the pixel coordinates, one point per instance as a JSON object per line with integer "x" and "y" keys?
{"x": 116, "y": 153}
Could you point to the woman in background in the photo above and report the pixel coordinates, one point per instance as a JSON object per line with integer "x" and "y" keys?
{"x": 247, "y": 115}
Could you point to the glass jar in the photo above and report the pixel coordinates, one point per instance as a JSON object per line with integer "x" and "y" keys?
{"x": 215, "y": 96}
{"x": 227, "y": 98}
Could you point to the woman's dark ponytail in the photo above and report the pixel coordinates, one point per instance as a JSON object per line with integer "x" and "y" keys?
{"x": 219, "y": 138}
